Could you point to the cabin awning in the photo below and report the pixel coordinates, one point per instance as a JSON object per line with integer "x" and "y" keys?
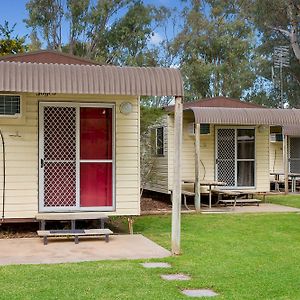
{"x": 89, "y": 79}
{"x": 246, "y": 116}
{"x": 291, "y": 130}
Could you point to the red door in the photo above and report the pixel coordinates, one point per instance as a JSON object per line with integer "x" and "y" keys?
{"x": 96, "y": 160}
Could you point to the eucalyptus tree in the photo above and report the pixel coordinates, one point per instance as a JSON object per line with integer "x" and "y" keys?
{"x": 215, "y": 49}
{"x": 109, "y": 31}
{"x": 277, "y": 24}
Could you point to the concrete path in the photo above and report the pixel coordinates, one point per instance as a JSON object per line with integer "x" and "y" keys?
{"x": 262, "y": 208}
{"x": 32, "y": 250}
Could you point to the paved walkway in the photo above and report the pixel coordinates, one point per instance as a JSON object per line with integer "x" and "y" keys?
{"x": 262, "y": 208}
{"x": 32, "y": 250}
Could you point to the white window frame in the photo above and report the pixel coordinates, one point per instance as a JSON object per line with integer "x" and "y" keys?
{"x": 236, "y": 159}
{"x": 15, "y": 116}
{"x": 163, "y": 142}
{"x": 77, "y": 105}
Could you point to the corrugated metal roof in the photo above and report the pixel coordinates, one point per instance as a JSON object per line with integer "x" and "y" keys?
{"x": 247, "y": 116}
{"x": 84, "y": 79}
{"x": 217, "y": 102}
{"x": 291, "y": 130}
{"x": 48, "y": 57}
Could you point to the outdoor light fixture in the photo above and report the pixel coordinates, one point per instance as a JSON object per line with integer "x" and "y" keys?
{"x": 126, "y": 108}
{"x": 262, "y": 128}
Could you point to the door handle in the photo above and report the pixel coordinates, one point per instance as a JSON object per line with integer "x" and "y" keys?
{"x": 42, "y": 163}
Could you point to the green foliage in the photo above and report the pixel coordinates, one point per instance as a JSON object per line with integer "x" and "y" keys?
{"x": 10, "y": 44}
{"x": 108, "y": 31}
{"x": 46, "y": 16}
{"x": 149, "y": 116}
{"x": 273, "y": 24}
{"x": 215, "y": 49}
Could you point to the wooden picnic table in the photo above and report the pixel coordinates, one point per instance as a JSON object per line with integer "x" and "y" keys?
{"x": 208, "y": 183}
{"x": 293, "y": 177}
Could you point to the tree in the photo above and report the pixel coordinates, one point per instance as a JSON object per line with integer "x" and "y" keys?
{"x": 46, "y": 17}
{"x": 277, "y": 24}
{"x": 215, "y": 49}
{"x": 10, "y": 44}
{"x": 108, "y": 31}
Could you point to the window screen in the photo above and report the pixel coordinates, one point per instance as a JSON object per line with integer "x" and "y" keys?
{"x": 294, "y": 155}
{"x": 205, "y": 128}
{"x": 9, "y": 105}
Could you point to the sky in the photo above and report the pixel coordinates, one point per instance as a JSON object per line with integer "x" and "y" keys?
{"x": 14, "y": 11}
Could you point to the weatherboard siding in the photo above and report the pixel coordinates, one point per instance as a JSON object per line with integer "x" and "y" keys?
{"x": 276, "y": 157}
{"x": 21, "y": 140}
{"x": 159, "y": 180}
{"x": 208, "y": 154}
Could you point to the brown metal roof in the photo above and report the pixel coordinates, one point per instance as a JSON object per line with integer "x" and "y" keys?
{"x": 84, "y": 79}
{"x": 47, "y": 57}
{"x": 246, "y": 116}
{"x": 291, "y": 130}
{"x": 217, "y": 102}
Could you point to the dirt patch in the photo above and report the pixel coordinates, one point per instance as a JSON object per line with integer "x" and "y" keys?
{"x": 19, "y": 230}
{"x": 150, "y": 204}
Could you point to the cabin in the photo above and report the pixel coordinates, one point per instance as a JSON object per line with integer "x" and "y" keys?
{"x": 234, "y": 144}
{"x": 69, "y": 131}
{"x": 277, "y": 156}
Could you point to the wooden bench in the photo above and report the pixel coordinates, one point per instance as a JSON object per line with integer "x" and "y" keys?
{"x": 75, "y": 233}
{"x": 72, "y": 217}
{"x": 240, "y": 200}
{"x": 242, "y": 197}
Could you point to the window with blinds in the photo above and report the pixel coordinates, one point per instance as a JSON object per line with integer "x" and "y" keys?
{"x": 10, "y": 105}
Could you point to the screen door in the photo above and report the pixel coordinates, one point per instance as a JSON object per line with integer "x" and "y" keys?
{"x": 235, "y": 162}
{"x": 76, "y": 157}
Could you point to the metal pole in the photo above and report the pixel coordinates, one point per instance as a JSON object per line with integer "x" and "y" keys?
{"x": 285, "y": 165}
{"x": 176, "y": 196}
{"x": 197, "y": 168}
{"x": 4, "y": 176}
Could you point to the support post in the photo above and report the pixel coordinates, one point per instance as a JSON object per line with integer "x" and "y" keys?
{"x": 197, "y": 169}
{"x": 176, "y": 195}
{"x": 285, "y": 164}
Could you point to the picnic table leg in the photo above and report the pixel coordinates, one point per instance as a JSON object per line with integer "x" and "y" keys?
{"x": 76, "y": 239}
{"x": 43, "y": 224}
{"x": 234, "y": 204}
{"x": 45, "y": 240}
{"x": 106, "y": 238}
{"x": 102, "y": 223}
{"x": 73, "y": 225}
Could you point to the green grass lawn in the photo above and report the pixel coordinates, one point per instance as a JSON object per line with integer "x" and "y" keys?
{"x": 288, "y": 200}
{"x": 239, "y": 256}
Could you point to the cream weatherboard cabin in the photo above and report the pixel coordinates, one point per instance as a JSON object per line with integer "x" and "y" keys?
{"x": 234, "y": 144}
{"x": 70, "y": 134}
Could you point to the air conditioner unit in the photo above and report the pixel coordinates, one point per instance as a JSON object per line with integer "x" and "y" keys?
{"x": 204, "y": 129}
{"x": 276, "y": 137}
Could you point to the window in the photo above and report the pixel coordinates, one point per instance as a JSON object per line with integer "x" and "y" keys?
{"x": 236, "y": 156}
{"x": 9, "y": 105}
{"x": 294, "y": 155}
{"x": 204, "y": 128}
{"x": 159, "y": 141}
